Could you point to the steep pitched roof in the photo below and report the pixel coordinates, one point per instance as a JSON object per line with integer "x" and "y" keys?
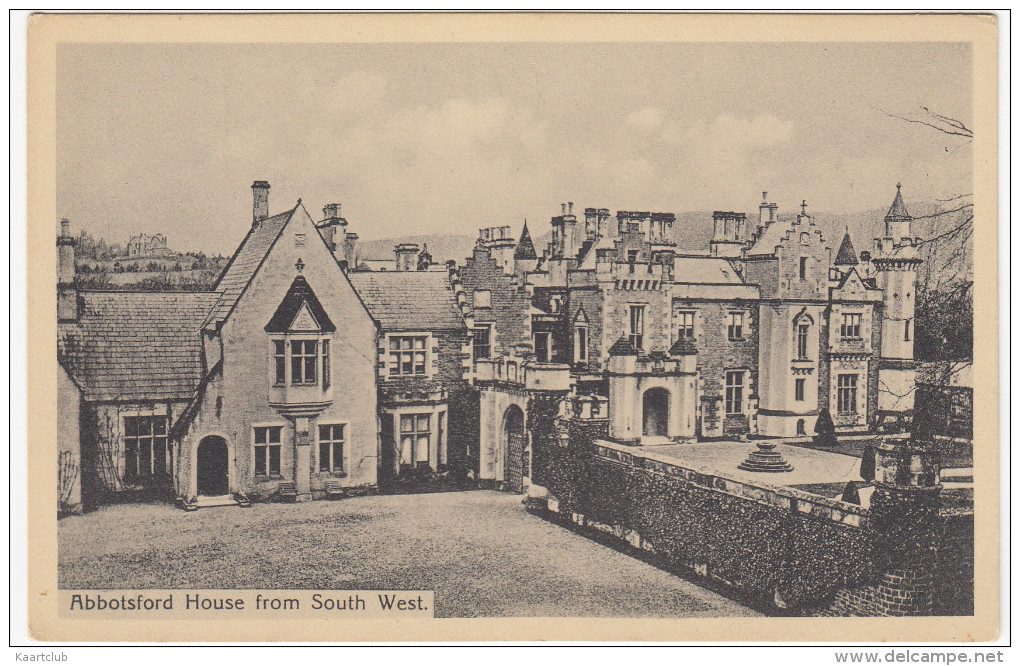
{"x": 299, "y": 295}
{"x": 525, "y": 248}
{"x": 846, "y": 256}
{"x": 409, "y": 300}
{"x": 683, "y": 347}
{"x": 769, "y": 239}
{"x": 898, "y": 211}
{"x": 136, "y": 345}
{"x": 623, "y": 347}
{"x": 245, "y": 262}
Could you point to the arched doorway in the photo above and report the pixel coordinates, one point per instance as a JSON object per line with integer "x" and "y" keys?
{"x": 514, "y": 443}
{"x": 213, "y": 466}
{"x": 655, "y": 413}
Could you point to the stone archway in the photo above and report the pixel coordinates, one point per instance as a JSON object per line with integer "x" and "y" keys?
{"x": 655, "y": 413}
{"x": 515, "y": 442}
{"x": 213, "y": 466}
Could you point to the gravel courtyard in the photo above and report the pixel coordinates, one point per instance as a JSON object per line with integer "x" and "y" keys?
{"x": 480, "y": 551}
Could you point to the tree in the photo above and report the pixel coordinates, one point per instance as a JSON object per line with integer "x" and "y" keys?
{"x": 825, "y": 429}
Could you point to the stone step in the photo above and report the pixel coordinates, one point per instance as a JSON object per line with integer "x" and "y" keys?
{"x": 216, "y": 500}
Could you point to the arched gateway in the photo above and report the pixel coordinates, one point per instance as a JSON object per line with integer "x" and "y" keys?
{"x": 515, "y": 442}
{"x": 213, "y": 466}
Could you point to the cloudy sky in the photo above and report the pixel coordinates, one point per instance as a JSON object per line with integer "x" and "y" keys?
{"x": 431, "y": 138}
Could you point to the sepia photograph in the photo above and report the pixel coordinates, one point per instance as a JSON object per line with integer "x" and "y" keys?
{"x": 563, "y": 326}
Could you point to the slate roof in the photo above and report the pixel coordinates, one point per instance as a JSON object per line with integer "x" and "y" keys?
{"x": 846, "y": 256}
{"x": 299, "y": 294}
{"x": 623, "y": 347}
{"x": 244, "y": 263}
{"x": 769, "y": 239}
{"x": 136, "y": 345}
{"x": 683, "y": 347}
{"x": 704, "y": 270}
{"x": 898, "y": 211}
{"x": 409, "y": 300}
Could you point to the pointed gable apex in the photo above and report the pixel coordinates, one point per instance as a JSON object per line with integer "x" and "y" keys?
{"x": 898, "y": 211}
{"x": 304, "y": 320}
{"x": 526, "y": 247}
{"x": 846, "y": 256}
{"x": 298, "y": 309}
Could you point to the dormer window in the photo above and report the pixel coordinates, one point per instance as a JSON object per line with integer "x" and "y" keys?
{"x": 300, "y": 333}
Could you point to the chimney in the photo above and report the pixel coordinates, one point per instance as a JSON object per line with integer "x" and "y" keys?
{"x": 331, "y": 211}
{"x": 570, "y": 208}
{"x": 351, "y": 258}
{"x": 331, "y": 224}
{"x": 260, "y": 202}
{"x": 407, "y": 255}
{"x": 67, "y": 291}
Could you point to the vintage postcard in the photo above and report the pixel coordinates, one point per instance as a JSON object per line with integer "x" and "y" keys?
{"x": 513, "y": 327}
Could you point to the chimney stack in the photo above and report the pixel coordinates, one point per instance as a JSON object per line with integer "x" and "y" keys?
{"x": 331, "y": 211}
{"x": 67, "y": 290}
{"x": 407, "y": 256}
{"x": 260, "y": 202}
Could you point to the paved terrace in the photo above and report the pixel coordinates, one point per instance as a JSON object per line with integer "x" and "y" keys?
{"x": 480, "y": 551}
{"x": 810, "y": 466}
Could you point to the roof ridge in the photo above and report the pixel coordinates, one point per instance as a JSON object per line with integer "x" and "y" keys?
{"x": 286, "y": 220}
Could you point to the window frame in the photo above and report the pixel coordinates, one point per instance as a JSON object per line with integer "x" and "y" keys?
{"x": 847, "y": 393}
{"x": 269, "y": 445}
{"x": 685, "y": 330}
{"x": 735, "y": 325}
{"x": 803, "y": 341}
{"x": 411, "y": 352}
{"x": 802, "y": 269}
{"x": 734, "y": 393}
{"x": 321, "y": 365}
{"x": 853, "y": 329}
{"x": 548, "y": 337}
{"x": 581, "y": 346}
{"x": 487, "y": 328}
{"x": 332, "y": 442}
{"x": 636, "y": 325}
{"x": 799, "y": 388}
{"x": 415, "y": 435}
{"x": 135, "y": 452}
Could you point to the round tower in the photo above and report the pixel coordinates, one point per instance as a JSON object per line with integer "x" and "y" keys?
{"x": 895, "y": 265}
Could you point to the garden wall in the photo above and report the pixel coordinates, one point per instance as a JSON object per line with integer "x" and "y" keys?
{"x": 790, "y": 549}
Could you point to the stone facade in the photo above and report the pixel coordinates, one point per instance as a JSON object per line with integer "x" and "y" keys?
{"x": 782, "y": 327}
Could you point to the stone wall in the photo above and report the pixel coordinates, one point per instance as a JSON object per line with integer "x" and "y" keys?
{"x": 797, "y": 552}
{"x": 508, "y": 310}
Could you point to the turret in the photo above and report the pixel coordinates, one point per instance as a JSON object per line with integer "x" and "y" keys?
{"x": 525, "y": 257}
{"x": 895, "y": 265}
{"x": 897, "y": 220}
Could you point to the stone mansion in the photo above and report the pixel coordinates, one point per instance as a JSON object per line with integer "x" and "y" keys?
{"x": 305, "y": 374}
